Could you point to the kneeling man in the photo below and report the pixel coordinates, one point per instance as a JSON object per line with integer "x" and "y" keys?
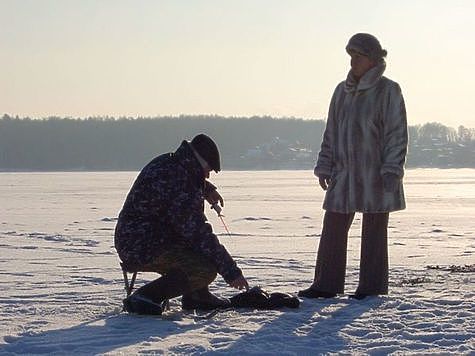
{"x": 162, "y": 228}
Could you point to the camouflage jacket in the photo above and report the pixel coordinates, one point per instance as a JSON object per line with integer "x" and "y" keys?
{"x": 165, "y": 207}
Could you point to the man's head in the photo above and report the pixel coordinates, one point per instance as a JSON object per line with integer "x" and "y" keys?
{"x": 365, "y": 51}
{"x": 208, "y": 150}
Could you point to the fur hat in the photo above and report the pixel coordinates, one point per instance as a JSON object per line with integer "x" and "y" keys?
{"x": 367, "y": 45}
{"x": 207, "y": 149}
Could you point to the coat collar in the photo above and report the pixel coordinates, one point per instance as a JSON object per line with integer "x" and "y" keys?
{"x": 187, "y": 159}
{"x": 369, "y": 79}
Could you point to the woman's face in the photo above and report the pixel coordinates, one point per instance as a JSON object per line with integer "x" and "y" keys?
{"x": 360, "y": 64}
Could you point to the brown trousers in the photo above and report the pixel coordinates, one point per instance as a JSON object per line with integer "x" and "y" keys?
{"x": 330, "y": 267}
{"x": 199, "y": 271}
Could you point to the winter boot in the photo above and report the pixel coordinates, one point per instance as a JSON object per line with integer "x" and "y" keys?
{"x": 314, "y": 293}
{"x": 139, "y": 304}
{"x": 151, "y": 298}
{"x": 203, "y": 299}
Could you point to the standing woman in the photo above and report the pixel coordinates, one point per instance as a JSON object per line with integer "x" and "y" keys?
{"x": 360, "y": 166}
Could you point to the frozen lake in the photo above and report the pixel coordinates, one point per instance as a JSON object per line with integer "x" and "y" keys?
{"x": 61, "y": 286}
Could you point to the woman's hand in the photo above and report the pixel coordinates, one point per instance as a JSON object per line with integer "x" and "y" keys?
{"x": 324, "y": 181}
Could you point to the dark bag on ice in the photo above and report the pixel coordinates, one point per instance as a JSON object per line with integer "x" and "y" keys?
{"x": 258, "y": 298}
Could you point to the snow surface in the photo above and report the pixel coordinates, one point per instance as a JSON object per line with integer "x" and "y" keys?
{"x": 61, "y": 286}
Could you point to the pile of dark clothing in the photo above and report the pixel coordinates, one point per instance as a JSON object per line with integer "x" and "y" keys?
{"x": 259, "y": 298}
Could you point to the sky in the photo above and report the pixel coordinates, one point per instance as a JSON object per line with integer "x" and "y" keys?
{"x": 281, "y": 58}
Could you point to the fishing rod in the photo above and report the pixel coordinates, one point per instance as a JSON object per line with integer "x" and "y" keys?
{"x": 218, "y": 209}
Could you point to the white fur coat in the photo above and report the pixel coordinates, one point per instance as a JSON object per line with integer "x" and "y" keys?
{"x": 365, "y": 138}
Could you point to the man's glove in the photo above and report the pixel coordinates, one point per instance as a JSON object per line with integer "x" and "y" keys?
{"x": 213, "y": 197}
{"x": 391, "y": 182}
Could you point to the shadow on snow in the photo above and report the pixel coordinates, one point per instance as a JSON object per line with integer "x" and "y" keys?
{"x": 315, "y": 326}
{"x": 97, "y": 336}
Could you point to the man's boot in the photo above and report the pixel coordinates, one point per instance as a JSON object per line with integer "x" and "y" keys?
{"x": 203, "y": 299}
{"x": 150, "y": 298}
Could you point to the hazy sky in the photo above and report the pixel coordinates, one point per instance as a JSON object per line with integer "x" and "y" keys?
{"x": 233, "y": 58}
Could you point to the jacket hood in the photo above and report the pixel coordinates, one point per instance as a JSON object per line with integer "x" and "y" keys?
{"x": 186, "y": 158}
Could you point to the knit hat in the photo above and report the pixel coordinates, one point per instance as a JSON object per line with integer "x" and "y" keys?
{"x": 367, "y": 45}
{"x": 207, "y": 149}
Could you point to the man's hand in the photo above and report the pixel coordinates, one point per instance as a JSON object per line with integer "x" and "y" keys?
{"x": 239, "y": 283}
{"x": 214, "y": 197}
{"x": 324, "y": 181}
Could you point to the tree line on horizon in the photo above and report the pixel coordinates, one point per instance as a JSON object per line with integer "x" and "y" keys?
{"x": 105, "y": 143}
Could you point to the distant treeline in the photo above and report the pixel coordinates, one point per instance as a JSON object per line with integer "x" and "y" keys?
{"x": 100, "y": 143}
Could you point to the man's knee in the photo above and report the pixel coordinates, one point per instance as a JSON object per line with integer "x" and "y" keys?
{"x": 202, "y": 276}
{"x": 209, "y": 275}
{"x": 199, "y": 270}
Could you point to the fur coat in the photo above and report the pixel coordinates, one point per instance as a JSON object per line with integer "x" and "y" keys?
{"x": 365, "y": 138}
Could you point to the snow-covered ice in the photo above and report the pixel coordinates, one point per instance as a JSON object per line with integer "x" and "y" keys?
{"x": 61, "y": 286}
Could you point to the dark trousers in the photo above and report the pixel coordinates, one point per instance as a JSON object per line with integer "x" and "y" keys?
{"x": 197, "y": 269}
{"x": 330, "y": 267}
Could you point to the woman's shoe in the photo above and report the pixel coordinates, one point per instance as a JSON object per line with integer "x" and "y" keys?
{"x": 313, "y": 293}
